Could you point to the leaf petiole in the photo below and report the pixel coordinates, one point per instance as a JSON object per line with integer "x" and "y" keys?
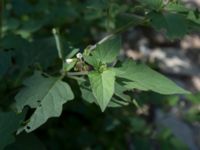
{"x": 77, "y": 73}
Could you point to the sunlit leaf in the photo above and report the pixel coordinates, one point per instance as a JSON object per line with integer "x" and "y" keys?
{"x": 102, "y": 85}
{"x": 108, "y": 50}
{"x": 147, "y": 78}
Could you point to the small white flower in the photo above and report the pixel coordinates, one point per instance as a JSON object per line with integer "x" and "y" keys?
{"x": 68, "y": 61}
{"x": 79, "y": 56}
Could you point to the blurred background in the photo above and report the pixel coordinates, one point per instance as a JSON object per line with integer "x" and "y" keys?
{"x": 160, "y": 123}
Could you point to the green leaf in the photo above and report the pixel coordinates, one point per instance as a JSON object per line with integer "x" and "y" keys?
{"x": 176, "y": 7}
{"x": 69, "y": 66}
{"x": 108, "y": 50}
{"x": 152, "y": 4}
{"x": 31, "y": 52}
{"x": 88, "y": 96}
{"x": 9, "y": 123}
{"x": 119, "y": 100}
{"x": 46, "y": 95}
{"x": 95, "y": 9}
{"x": 192, "y": 17}
{"x": 146, "y": 78}
{"x": 194, "y": 98}
{"x": 72, "y": 53}
{"x": 5, "y": 62}
{"x": 193, "y": 26}
{"x": 125, "y": 20}
{"x": 92, "y": 61}
{"x": 133, "y": 85}
{"x": 119, "y": 91}
{"x": 117, "y": 103}
{"x": 11, "y": 24}
{"x": 174, "y": 25}
{"x": 102, "y": 85}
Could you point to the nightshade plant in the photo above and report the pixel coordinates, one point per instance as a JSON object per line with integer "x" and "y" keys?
{"x": 102, "y": 76}
{"x": 47, "y": 94}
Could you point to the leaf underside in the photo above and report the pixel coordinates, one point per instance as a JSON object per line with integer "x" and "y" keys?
{"x": 46, "y": 95}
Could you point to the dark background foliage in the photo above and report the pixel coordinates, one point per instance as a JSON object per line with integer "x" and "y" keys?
{"x": 159, "y": 122}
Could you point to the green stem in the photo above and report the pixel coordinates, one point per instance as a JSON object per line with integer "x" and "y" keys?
{"x": 118, "y": 31}
{"x": 136, "y": 104}
{"x": 73, "y": 74}
{"x": 58, "y": 43}
{"x": 77, "y": 78}
{"x": 77, "y": 73}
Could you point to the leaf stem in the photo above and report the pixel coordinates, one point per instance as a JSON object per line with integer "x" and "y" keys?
{"x": 58, "y": 43}
{"x": 77, "y": 73}
{"x": 136, "y": 104}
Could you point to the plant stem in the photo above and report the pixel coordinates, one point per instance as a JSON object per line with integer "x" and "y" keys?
{"x": 136, "y": 104}
{"x": 101, "y": 41}
{"x": 77, "y": 78}
{"x": 118, "y": 31}
{"x": 58, "y": 43}
{"x": 77, "y": 73}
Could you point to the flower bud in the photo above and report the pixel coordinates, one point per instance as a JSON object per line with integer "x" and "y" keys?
{"x": 79, "y": 55}
{"x": 68, "y": 61}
